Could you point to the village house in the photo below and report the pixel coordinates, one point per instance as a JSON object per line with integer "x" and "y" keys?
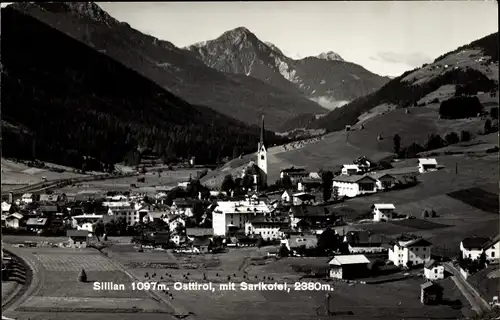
{"x": 85, "y": 222}
{"x": 193, "y": 233}
{"x": 349, "y": 266}
{"x": 27, "y": 198}
{"x": 6, "y": 208}
{"x": 185, "y": 207}
{"x": 350, "y": 169}
{"x": 202, "y": 245}
{"x": 296, "y": 241}
{"x": 364, "y": 242}
{"x": 383, "y": 211}
{"x": 48, "y": 209}
{"x": 13, "y": 220}
{"x": 410, "y": 252}
{"x": 312, "y": 216}
{"x": 302, "y": 198}
{"x": 364, "y": 164}
{"x": 492, "y": 248}
{"x": 77, "y": 238}
{"x": 433, "y": 270}
{"x": 175, "y": 221}
{"x": 309, "y": 184}
{"x": 267, "y": 227}
{"x": 230, "y": 216}
{"x": 431, "y": 292}
{"x": 295, "y": 174}
{"x": 427, "y": 164}
{"x": 472, "y": 247}
{"x": 123, "y": 209}
{"x": 354, "y": 185}
{"x": 286, "y": 196}
{"x": 36, "y": 224}
{"x": 384, "y": 180}
{"x": 151, "y": 216}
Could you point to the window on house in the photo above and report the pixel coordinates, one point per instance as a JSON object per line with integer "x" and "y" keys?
{"x": 435, "y": 270}
{"x": 416, "y": 249}
{"x": 262, "y": 157}
{"x": 493, "y": 254}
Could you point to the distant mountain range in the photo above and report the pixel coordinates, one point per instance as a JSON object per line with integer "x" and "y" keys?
{"x": 474, "y": 64}
{"x": 326, "y": 79}
{"x": 63, "y": 101}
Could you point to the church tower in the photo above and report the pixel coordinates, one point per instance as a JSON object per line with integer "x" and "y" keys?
{"x": 262, "y": 157}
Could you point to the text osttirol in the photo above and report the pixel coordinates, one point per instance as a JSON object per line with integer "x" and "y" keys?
{"x": 193, "y": 286}
{"x": 261, "y": 286}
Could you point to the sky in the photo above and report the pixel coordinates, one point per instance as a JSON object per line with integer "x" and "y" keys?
{"x": 385, "y": 37}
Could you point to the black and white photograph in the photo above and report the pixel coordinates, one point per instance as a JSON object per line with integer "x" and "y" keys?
{"x": 281, "y": 160}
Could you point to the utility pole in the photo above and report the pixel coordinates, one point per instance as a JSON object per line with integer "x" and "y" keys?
{"x": 327, "y": 304}
{"x": 456, "y": 167}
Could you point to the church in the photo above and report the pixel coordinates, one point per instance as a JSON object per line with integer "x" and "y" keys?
{"x": 259, "y": 170}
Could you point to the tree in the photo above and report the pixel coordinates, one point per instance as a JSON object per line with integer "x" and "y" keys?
{"x": 247, "y": 181}
{"x": 494, "y": 113}
{"x": 487, "y": 126}
{"x": 286, "y": 181}
{"x": 460, "y": 107}
{"x": 464, "y": 135}
{"x": 425, "y": 213}
{"x": 434, "y": 142}
{"x": 482, "y": 260}
{"x": 228, "y": 183}
{"x": 327, "y": 177}
{"x": 335, "y": 193}
{"x": 452, "y": 138}
{"x": 397, "y": 143}
{"x": 327, "y": 241}
{"x": 433, "y": 214}
{"x": 284, "y": 252}
{"x": 82, "y": 277}
{"x": 98, "y": 230}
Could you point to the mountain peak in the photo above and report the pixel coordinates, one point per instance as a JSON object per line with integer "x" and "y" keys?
{"x": 330, "y": 56}
{"x": 87, "y": 9}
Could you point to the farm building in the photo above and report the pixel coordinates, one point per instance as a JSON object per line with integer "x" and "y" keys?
{"x": 350, "y": 169}
{"x": 431, "y": 292}
{"x": 202, "y": 244}
{"x": 384, "y": 180}
{"x": 354, "y": 185}
{"x": 175, "y": 221}
{"x": 405, "y": 252}
{"x": 308, "y": 184}
{"x": 472, "y": 247}
{"x": 433, "y": 270}
{"x": 286, "y": 196}
{"x": 6, "y": 208}
{"x": 348, "y": 266}
{"x": 364, "y": 242}
{"x": 302, "y": 198}
{"x": 13, "y": 220}
{"x": 77, "y": 238}
{"x": 427, "y": 164}
{"x": 383, "y": 211}
{"x": 267, "y": 227}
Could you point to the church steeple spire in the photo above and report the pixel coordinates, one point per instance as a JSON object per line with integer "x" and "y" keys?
{"x": 262, "y": 131}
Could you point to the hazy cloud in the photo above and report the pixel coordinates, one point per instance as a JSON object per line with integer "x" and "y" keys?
{"x": 412, "y": 59}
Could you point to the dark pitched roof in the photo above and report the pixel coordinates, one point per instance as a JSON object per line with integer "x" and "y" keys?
{"x": 418, "y": 243}
{"x": 77, "y": 233}
{"x": 363, "y": 238}
{"x": 293, "y": 169}
{"x": 201, "y": 242}
{"x": 431, "y": 285}
{"x": 311, "y": 181}
{"x": 491, "y": 242}
{"x": 309, "y": 211}
{"x": 474, "y": 242}
{"x": 431, "y": 264}
{"x": 352, "y": 178}
{"x": 48, "y": 208}
{"x": 199, "y": 232}
{"x": 36, "y": 221}
{"x": 378, "y": 175}
{"x": 259, "y": 220}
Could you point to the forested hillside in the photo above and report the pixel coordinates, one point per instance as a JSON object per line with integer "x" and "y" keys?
{"x": 63, "y": 101}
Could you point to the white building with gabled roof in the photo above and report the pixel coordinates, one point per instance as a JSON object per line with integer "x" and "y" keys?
{"x": 414, "y": 250}
{"x": 350, "y": 169}
{"x": 232, "y": 215}
{"x": 383, "y": 211}
{"x": 427, "y": 164}
{"x": 348, "y": 266}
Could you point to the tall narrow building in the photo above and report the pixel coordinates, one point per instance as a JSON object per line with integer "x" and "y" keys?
{"x": 262, "y": 157}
